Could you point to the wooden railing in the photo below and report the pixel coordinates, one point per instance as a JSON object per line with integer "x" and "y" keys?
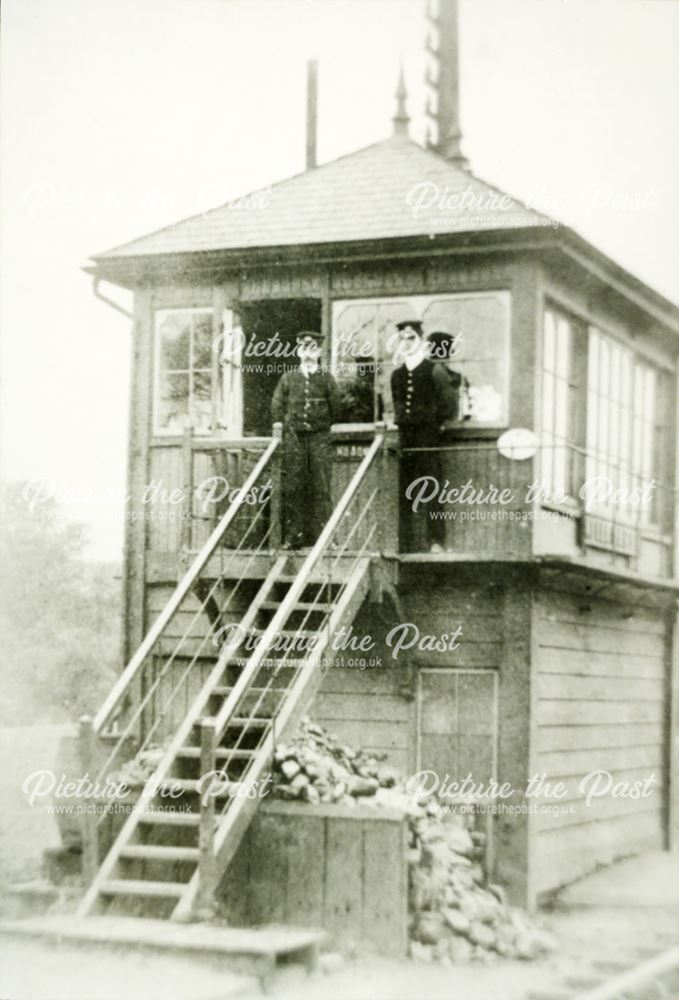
{"x": 333, "y": 565}
{"x": 158, "y": 681}
{"x": 508, "y": 495}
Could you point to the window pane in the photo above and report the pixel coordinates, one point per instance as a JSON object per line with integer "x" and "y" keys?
{"x": 365, "y": 331}
{"x": 201, "y": 401}
{"x": 202, "y": 340}
{"x": 549, "y": 337}
{"x": 174, "y": 331}
{"x": 173, "y": 403}
{"x": 563, "y": 349}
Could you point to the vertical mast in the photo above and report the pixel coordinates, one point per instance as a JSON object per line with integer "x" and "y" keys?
{"x": 443, "y": 79}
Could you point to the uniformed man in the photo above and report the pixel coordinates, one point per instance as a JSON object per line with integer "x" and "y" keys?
{"x": 307, "y": 402}
{"x": 441, "y": 347}
{"x": 423, "y": 399}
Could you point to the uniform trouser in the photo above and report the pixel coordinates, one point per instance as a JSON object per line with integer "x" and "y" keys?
{"x": 420, "y": 525}
{"x": 307, "y": 467}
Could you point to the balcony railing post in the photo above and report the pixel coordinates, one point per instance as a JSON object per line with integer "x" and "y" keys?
{"x": 207, "y": 871}
{"x": 90, "y": 853}
{"x": 276, "y": 501}
{"x": 186, "y": 510}
{"x": 389, "y": 491}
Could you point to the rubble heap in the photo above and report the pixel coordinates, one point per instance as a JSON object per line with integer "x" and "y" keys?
{"x": 315, "y": 767}
{"x": 454, "y": 916}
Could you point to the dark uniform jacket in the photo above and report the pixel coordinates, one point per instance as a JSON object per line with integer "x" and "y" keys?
{"x": 423, "y": 397}
{"x": 306, "y": 402}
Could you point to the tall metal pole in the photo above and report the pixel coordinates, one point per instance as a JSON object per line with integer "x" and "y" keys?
{"x": 443, "y": 48}
{"x": 311, "y": 112}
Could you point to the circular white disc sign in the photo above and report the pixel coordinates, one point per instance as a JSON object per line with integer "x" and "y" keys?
{"x": 518, "y": 443}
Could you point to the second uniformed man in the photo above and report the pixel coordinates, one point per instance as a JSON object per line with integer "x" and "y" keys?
{"x": 306, "y": 401}
{"x": 423, "y": 400}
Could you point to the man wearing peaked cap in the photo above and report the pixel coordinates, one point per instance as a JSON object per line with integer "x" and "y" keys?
{"x": 307, "y": 403}
{"x": 423, "y": 400}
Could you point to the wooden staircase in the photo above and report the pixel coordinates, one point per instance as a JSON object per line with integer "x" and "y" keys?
{"x": 179, "y": 837}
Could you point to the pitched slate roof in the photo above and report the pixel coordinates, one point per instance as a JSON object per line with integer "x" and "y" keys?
{"x": 390, "y": 189}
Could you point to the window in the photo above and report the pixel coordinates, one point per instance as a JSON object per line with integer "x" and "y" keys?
{"x": 364, "y": 343}
{"x": 184, "y": 367}
{"x": 626, "y": 427}
{"x": 559, "y": 399}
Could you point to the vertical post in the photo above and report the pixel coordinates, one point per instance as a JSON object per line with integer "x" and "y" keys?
{"x": 515, "y": 834}
{"x": 672, "y": 728}
{"x": 311, "y": 112}
{"x": 207, "y": 872}
{"x": 275, "y": 503}
{"x": 390, "y": 488}
{"x": 382, "y": 487}
{"x": 90, "y": 858}
{"x": 187, "y": 498}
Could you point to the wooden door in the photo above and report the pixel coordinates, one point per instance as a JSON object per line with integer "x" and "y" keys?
{"x": 457, "y": 723}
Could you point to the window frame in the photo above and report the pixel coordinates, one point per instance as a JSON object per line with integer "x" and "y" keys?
{"x": 640, "y": 366}
{"x": 420, "y": 303}
{"x": 574, "y": 439}
{"x": 159, "y": 313}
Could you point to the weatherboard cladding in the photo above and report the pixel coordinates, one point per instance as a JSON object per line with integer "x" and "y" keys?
{"x": 364, "y": 195}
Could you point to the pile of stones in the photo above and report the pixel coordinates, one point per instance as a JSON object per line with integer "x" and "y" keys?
{"x": 455, "y": 916}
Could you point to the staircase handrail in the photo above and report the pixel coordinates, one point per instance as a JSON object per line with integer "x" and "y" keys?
{"x": 296, "y": 587}
{"x": 130, "y": 672}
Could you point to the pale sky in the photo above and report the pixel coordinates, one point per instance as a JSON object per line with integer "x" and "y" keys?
{"x": 121, "y": 116}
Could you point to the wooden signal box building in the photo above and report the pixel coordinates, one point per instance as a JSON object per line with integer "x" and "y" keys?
{"x": 562, "y": 600}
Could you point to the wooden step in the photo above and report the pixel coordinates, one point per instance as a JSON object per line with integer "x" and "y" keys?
{"x": 224, "y": 690}
{"x": 287, "y": 633}
{"x": 170, "y": 817}
{"x": 156, "y": 852}
{"x": 140, "y": 887}
{"x": 250, "y": 721}
{"x": 194, "y": 753}
{"x": 299, "y": 606}
{"x": 190, "y": 787}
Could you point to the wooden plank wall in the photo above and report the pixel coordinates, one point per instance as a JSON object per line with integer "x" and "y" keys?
{"x": 376, "y": 707}
{"x": 315, "y": 866}
{"x": 601, "y": 693}
{"x": 370, "y": 707}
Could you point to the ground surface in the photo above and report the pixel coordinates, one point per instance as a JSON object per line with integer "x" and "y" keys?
{"x": 611, "y": 914}
{"x": 25, "y": 831}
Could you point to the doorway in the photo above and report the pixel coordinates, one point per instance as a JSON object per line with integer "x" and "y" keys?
{"x": 270, "y": 328}
{"x": 457, "y": 723}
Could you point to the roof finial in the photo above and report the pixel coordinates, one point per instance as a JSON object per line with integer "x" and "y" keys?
{"x": 401, "y": 118}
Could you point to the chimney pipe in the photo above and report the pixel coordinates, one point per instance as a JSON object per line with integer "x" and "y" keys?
{"x": 311, "y": 112}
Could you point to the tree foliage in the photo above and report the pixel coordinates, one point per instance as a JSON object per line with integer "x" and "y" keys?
{"x": 60, "y": 616}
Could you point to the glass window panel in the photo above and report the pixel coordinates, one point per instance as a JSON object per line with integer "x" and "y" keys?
{"x": 563, "y": 349}
{"x": 201, "y": 401}
{"x": 174, "y": 331}
{"x": 560, "y": 470}
{"x": 366, "y": 330}
{"x": 202, "y": 340}
{"x": 549, "y": 348}
{"x": 173, "y": 402}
